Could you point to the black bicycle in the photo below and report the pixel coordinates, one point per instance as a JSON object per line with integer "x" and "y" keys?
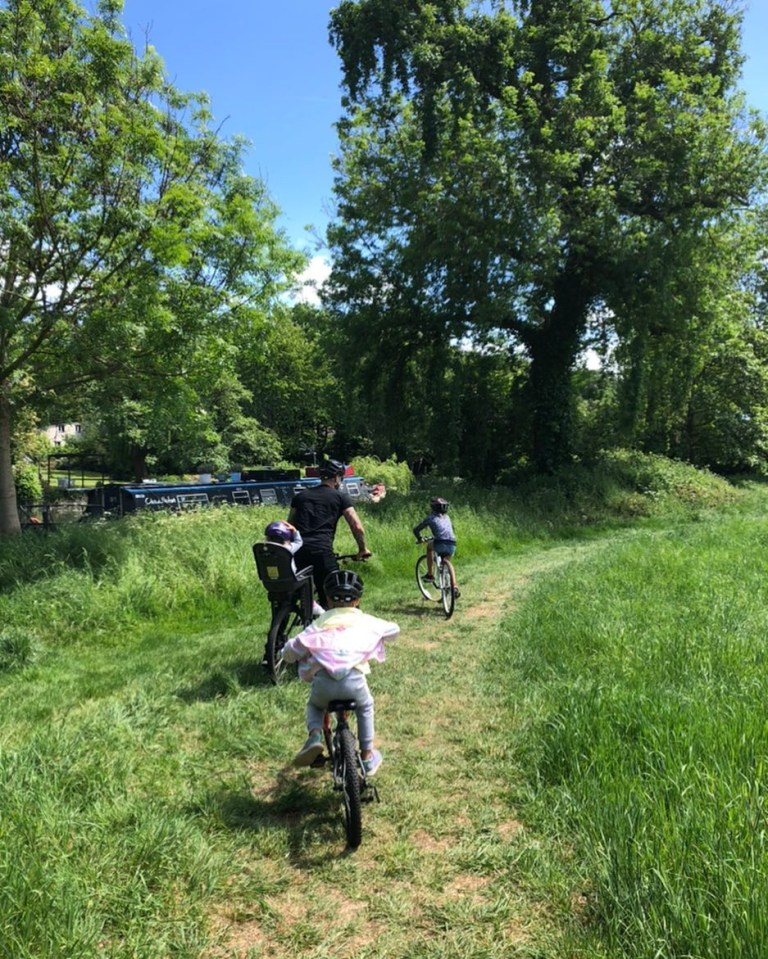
{"x": 347, "y": 769}
{"x": 291, "y": 595}
{"x": 439, "y": 588}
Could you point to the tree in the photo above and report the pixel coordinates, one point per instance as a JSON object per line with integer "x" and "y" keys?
{"x": 517, "y": 173}
{"x": 181, "y": 401}
{"x": 127, "y": 232}
{"x": 293, "y": 387}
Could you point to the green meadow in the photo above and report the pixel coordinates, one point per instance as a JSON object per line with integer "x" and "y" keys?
{"x": 575, "y": 764}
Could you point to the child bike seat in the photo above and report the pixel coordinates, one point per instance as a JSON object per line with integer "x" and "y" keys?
{"x": 274, "y": 565}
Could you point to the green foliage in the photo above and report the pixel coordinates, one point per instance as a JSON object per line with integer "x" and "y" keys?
{"x": 124, "y": 201}
{"x": 292, "y": 382}
{"x": 29, "y": 489}
{"x": 621, "y": 484}
{"x": 512, "y": 177}
{"x": 394, "y": 475}
{"x": 728, "y": 410}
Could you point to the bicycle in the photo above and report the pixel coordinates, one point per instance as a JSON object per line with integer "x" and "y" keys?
{"x": 290, "y": 596}
{"x": 440, "y": 588}
{"x": 347, "y": 769}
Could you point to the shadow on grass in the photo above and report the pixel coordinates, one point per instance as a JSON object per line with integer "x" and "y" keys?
{"x": 306, "y": 809}
{"x": 228, "y": 678}
{"x": 418, "y": 607}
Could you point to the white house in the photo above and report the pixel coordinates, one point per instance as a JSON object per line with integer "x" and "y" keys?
{"x": 61, "y": 433}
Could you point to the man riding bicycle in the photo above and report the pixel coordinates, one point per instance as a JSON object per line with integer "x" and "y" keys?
{"x": 315, "y": 512}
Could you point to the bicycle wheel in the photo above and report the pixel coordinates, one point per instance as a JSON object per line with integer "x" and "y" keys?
{"x": 446, "y": 589}
{"x": 285, "y": 621}
{"x": 428, "y": 590}
{"x": 350, "y": 784}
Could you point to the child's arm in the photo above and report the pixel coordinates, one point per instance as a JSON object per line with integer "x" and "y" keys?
{"x": 294, "y": 650}
{"x": 386, "y": 629}
{"x": 392, "y": 632}
{"x": 296, "y": 542}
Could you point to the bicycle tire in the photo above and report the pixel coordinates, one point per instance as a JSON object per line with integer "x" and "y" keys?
{"x": 350, "y": 785}
{"x": 285, "y": 620}
{"x": 446, "y": 588}
{"x": 428, "y": 590}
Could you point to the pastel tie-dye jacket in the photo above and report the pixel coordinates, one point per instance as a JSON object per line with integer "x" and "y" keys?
{"x": 339, "y": 641}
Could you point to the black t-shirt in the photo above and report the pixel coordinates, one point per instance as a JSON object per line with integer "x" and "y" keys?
{"x": 316, "y": 511}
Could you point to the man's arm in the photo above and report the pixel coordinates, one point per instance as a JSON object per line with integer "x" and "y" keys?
{"x": 353, "y": 521}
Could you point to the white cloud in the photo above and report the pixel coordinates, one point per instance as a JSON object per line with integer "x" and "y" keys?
{"x": 311, "y": 280}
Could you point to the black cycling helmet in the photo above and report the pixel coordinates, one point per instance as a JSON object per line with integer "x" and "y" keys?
{"x": 328, "y": 469}
{"x": 438, "y": 504}
{"x": 343, "y": 585}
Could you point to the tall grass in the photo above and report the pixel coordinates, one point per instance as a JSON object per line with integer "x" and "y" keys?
{"x": 650, "y": 746}
{"x": 627, "y": 690}
{"x": 101, "y": 578}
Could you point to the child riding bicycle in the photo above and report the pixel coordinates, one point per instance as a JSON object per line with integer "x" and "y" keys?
{"x": 333, "y": 654}
{"x": 282, "y": 533}
{"x": 443, "y": 538}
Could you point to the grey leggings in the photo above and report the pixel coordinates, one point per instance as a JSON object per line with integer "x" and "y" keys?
{"x": 353, "y": 686}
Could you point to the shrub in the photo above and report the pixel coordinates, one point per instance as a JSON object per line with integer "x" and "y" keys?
{"x": 394, "y": 475}
{"x": 29, "y": 489}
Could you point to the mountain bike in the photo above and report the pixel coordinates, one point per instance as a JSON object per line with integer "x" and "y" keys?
{"x": 347, "y": 769}
{"x": 440, "y": 588}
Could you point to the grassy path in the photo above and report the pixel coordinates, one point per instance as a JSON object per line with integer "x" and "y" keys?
{"x": 144, "y": 758}
{"x": 445, "y": 869}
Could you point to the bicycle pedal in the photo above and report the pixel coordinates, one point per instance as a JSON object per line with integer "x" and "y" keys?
{"x": 318, "y": 763}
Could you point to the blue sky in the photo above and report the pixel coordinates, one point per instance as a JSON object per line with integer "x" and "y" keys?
{"x": 273, "y": 77}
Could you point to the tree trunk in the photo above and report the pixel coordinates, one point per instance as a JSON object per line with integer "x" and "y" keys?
{"x": 9, "y": 514}
{"x": 553, "y": 350}
{"x": 139, "y": 461}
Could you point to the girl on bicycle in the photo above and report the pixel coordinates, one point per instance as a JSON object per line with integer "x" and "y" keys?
{"x": 443, "y": 539}
{"x": 333, "y": 654}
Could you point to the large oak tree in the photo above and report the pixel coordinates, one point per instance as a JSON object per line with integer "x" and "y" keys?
{"x": 516, "y": 169}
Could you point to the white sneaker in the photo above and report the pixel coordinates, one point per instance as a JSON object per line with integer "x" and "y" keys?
{"x": 372, "y": 764}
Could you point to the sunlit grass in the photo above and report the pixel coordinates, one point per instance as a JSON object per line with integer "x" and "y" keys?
{"x": 650, "y": 749}
{"x": 574, "y": 764}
